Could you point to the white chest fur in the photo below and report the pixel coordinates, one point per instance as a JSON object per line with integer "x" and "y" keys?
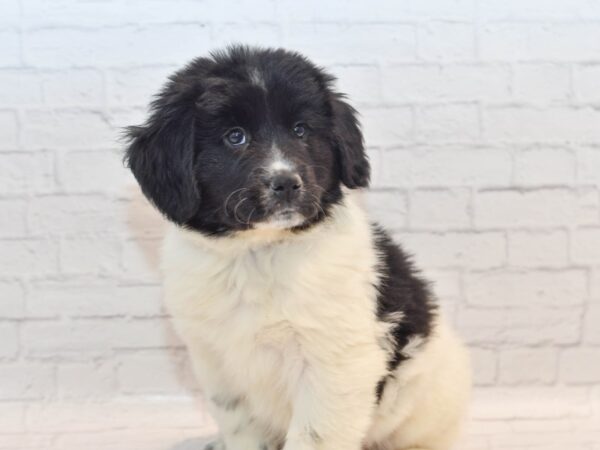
{"x": 264, "y": 306}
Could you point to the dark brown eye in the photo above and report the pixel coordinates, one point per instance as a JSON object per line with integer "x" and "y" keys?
{"x": 299, "y": 129}
{"x": 236, "y": 137}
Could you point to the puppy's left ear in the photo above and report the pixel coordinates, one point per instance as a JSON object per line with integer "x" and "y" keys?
{"x": 354, "y": 165}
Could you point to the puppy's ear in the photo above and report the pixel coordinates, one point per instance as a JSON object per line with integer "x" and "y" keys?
{"x": 161, "y": 156}
{"x": 355, "y": 169}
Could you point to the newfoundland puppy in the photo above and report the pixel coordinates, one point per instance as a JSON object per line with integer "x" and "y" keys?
{"x": 307, "y": 327}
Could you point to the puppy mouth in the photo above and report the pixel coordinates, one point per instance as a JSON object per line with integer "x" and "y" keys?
{"x": 284, "y": 218}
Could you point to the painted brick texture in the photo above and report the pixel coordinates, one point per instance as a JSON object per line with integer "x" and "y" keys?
{"x": 482, "y": 121}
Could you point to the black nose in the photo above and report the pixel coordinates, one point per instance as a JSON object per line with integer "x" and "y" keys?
{"x": 285, "y": 186}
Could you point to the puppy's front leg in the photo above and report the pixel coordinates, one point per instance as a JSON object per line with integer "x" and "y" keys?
{"x": 334, "y": 404}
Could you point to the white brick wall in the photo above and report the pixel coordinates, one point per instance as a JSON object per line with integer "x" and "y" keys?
{"x": 482, "y": 120}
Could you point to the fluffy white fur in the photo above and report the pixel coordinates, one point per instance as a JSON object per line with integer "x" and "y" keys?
{"x": 282, "y": 332}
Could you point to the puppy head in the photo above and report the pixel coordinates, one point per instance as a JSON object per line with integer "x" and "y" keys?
{"x": 248, "y": 138}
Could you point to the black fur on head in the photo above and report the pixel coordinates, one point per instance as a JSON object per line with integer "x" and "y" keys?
{"x": 248, "y": 138}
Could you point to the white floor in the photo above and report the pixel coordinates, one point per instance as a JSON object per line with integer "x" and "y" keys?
{"x": 167, "y": 424}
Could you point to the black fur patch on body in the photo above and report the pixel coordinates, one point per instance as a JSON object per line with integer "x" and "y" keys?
{"x": 401, "y": 290}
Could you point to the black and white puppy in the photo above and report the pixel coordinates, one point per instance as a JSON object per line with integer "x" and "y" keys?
{"x": 307, "y": 327}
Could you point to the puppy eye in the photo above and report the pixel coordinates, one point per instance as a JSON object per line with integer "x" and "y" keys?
{"x": 299, "y": 129}
{"x": 236, "y": 137}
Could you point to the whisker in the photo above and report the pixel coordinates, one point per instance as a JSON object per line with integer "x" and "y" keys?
{"x": 316, "y": 186}
{"x": 229, "y": 198}
{"x": 250, "y": 216}
{"x": 236, "y": 208}
{"x": 316, "y": 203}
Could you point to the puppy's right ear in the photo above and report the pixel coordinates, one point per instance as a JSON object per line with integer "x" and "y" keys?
{"x": 161, "y": 156}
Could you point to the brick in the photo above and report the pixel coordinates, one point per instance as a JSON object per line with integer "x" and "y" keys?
{"x": 538, "y": 9}
{"x": 150, "y": 373}
{"x": 86, "y": 380}
{"x": 485, "y": 366}
{"x": 22, "y": 441}
{"x": 26, "y": 381}
{"x": 531, "y": 402}
{"x": 152, "y": 44}
{"x": 361, "y": 84}
{"x": 446, "y": 283}
{"x": 389, "y": 208}
{"x": 8, "y": 130}
{"x": 542, "y": 425}
{"x": 90, "y": 296}
{"x": 67, "y": 128}
{"x": 71, "y": 417}
{"x": 73, "y": 87}
{"x": 136, "y": 86}
{"x": 540, "y": 42}
{"x": 74, "y": 174}
{"x": 445, "y": 41}
{"x": 146, "y": 333}
{"x": 544, "y": 166}
{"x": 20, "y": 87}
{"x": 266, "y": 35}
{"x": 10, "y": 53}
{"x": 141, "y": 260}
{"x": 65, "y": 13}
{"x": 72, "y": 214}
{"x": 447, "y": 9}
{"x": 450, "y": 82}
{"x": 317, "y": 11}
{"x": 523, "y": 326}
{"x": 22, "y": 172}
{"x": 537, "y": 208}
{"x": 10, "y": 12}
{"x": 140, "y": 300}
{"x": 451, "y": 249}
{"x": 140, "y": 217}
{"x": 542, "y": 82}
{"x": 508, "y": 288}
{"x": 551, "y": 124}
{"x": 93, "y": 255}
{"x": 445, "y": 167}
{"x": 10, "y": 340}
{"x": 361, "y": 43}
{"x": 586, "y": 245}
{"x": 440, "y": 209}
{"x": 528, "y": 366}
{"x": 82, "y": 339}
{"x": 13, "y": 221}
{"x": 246, "y": 10}
{"x": 595, "y": 283}
{"x": 122, "y": 117}
{"x": 66, "y": 340}
{"x": 375, "y": 156}
{"x": 28, "y": 256}
{"x": 588, "y": 207}
{"x": 587, "y": 83}
{"x": 12, "y": 294}
{"x": 538, "y": 248}
{"x": 12, "y": 417}
{"x": 71, "y": 297}
{"x": 447, "y": 123}
{"x": 591, "y": 328}
{"x": 387, "y": 126}
{"x": 580, "y": 365}
{"x": 588, "y": 161}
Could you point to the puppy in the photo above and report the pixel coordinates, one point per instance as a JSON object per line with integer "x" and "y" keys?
{"x": 307, "y": 327}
